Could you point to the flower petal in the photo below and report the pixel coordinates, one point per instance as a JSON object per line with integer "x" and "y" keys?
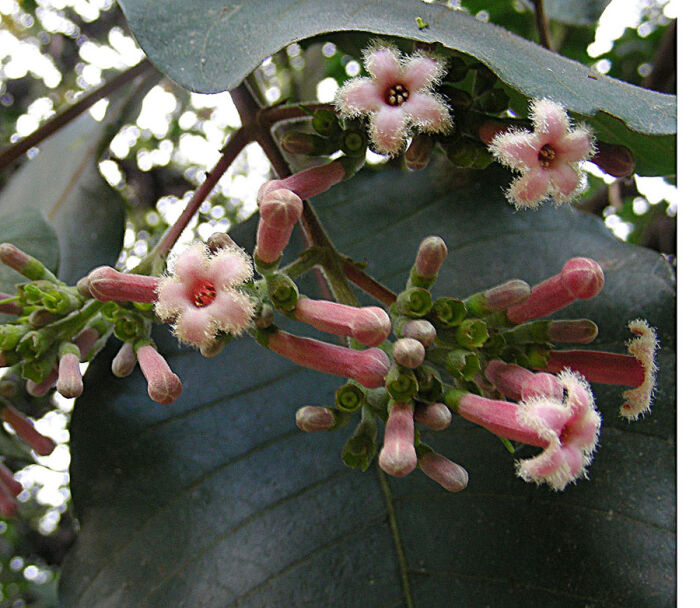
{"x": 228, "y": 267}
{"x": 384, "y": 65}
{"x": 575, "y": 146}
{"x": 549, "y": 118}
{"x": 231, "y": 311}
{"x": 191, "y": 264}
{"x": 428, "y": 112}
{"x": 421, "y": 71}
{"x": 530, "y": 189}
{"x": 564, "y": 181}
{"x": 388, "y": 130}
{"x": 516, "y": 149}
{"x": 195, "y": 326}
{"x": 359, "y": 96}
{"x": 173, "y": 298}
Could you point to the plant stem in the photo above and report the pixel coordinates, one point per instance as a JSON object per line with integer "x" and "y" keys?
{"x": 368, "y": 283}
{"x": 542, "y": 24}
{"x": 231, "y": 150}
{"x": 275, "y": 114}
{"x": 15, "y": 151}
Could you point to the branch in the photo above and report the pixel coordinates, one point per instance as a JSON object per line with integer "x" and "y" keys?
{"x": 542, "y": 24}
{"x": 15, "y": 151}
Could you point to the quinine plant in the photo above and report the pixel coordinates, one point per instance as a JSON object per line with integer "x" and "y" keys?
{"x": 429, "y": 345}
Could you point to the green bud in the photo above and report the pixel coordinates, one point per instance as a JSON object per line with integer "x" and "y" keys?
{"x": 10, "y": 335}
{"x": 533, "y": 331}
{"x": 414, "y": 302}
{"x": 34, "y": 343}
{"x": 129, "y": 327}
{"x": 325, "y": 122}
{"x": 38, "y": 370}
{"x": 469, "y": 154}
{"x": 349, "y": 397}
{"x": 401, "y": 384}
{"x": 283, "y": 292}
{"x": 448, "y": 312}
{"x": 61, "y": 301}
{"x": 360, "y": 449}
{"x": 430, "y": 385}
{"x": 24, "y": 263}
{"x": 463, "y": 364}
{"x": 353, "y": 142}
{"x": 471, "y": 333}
{"x": 111, "y": 311}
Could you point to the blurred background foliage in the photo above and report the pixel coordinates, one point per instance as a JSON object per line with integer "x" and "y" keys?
{"x": 158, "y": 152}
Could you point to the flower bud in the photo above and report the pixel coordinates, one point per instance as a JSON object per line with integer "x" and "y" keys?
{"x": 308, "y": 144}
{"x": 163, "y": 385}
{"x": 349, "y": 397}
{"x": 325, "y": 122}
{"x": 283, "y": 292}
{"x": 401, "y": 383}
{"x": 417, "y": 156}
{"x": 398, "y": 454}
{"x": 431, "y": 254}
{"x": 125, "y": 361}
{"x": 414, "y": 302}
{"x": 353, "y": 143}
{"x": 614, "y": 159}
{"x": 107, "y": 284}
{"x": 24, "y": 263}
{"x": 360, "y": 449}
{"x": 497, "y": 298}
{"x": 463, "y": 364}
{"x": 39, "y": 389}
{"x": 468, "y": 154}
{"x": 578, "y": 331}
{"x": 430, "y": 387}
{"x": 448, "y": 474}
{"x": 408, "y": 352}
{"x": 419, "y": 329}
{"x": 218, "y": 241}
{"x": 471, "y": 333}
{"x": 435, "y": 416}
{"x": 280, "y": 209}
{"x": 70, "y": 380}
{"x": 448, "y": 312}
{"x": 25, "y": 430}
{"x": 311, "y": 419}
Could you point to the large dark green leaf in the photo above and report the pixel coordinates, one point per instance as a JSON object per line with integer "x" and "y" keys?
{"x": 219, "y": 501}
{"x": 212, "y": 48}
{"x": 575, "y": 12}
{"x": 63, "y": 181}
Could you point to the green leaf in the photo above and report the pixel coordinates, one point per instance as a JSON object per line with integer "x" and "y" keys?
{"x": 27, "y": 229}
{"x": 575, "y": 12}
{"x": 63, "y": 181}
{"x": 210, "y": 51}
{"x": 218, "y": 500}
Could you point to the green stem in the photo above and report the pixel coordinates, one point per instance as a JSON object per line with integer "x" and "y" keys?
{"x": 15, "y": 151}
{"x": 66, "y": 328}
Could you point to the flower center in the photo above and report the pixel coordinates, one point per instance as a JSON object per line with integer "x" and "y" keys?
{"x": 546, "y": 155}
{"x": 396, "y": 95}
{"x": 204, "y": 294}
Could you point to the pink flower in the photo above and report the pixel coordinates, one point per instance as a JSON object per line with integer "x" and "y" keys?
{"x": 163, "y": 385}
{"x": 397, "y": 97}
{"x": 398, "y": 455}
{"x": 202, "y": 296}
{"x": 548, "y": 158}
{"x": 567, "y": 428}
{"x": 643, "y": 347}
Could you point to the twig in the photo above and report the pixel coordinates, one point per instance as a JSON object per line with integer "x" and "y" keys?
{"x": 15, "y": 151}
{"x": 542, "y": 24}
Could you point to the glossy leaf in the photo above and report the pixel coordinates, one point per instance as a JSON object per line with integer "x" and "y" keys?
{"x": 64, "y": 183}
{"x": 575, "y": 12}
{"x": 213, "y": 49}
{"x": 219, "y": 501}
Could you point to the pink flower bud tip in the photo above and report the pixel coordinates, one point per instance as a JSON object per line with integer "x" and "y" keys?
{"x": 421, "y": 330}
{"x": 583, "y": 278}
{"x": 431, "y": 254}
{"x": 25, "y": 430}
{"x": 408, "y": 352}
{"x": 398, "y": 454}
{"x": 448, "y": 474}
{"x": 107, "y": 284}
{"x": 281, "y": 208}
{"x": 369, "y": 325}
{"x": 163, "y": 385}
{"x": 70, "y": 380}
{"x": 435, "y": 416}
{"x": 311, "y": 418}
{"x": 125, "y": 361}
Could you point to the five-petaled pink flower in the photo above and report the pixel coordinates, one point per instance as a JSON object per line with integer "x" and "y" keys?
{"x": 202, "y": 297}
{"x": 548, "y": 157}
{"x": 397, "y": 97}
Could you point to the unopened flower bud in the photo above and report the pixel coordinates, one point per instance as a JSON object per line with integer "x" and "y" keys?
{"x": 488, "y": 130}
{"x": 435, "y": 416}
{"x": 218, "y": 241}
{"x": 41, "y": 317}
{"x": 580, "y": 278}
{"x": 448, "y": 474}
{"x": 325, "y": 122}
{"x": 614, "y": 159}
{"x": 309, "y": 182}
{"x": 41, "y": 387}
{"x": 280, "y": 209}
{"x": 24, "y": 263}
{"x": 401, "y": 383}
{"x": 163, "y": 385}
{"x": 578, "y": 331}
{"x": 471, "y": 333}
{"x": 109, "y": 285}
{"x": 11, "y": 334}
{"x": 408, "y": 352}
{"x": 125, "y": 361}
{"x": 266, "y": 317}
{"x": 414, "y": 302}
{"x": 312, "y": 419}
{"x": 421, "y": 330}
{"x": 353, "y": 143}
{"x": 308, "y": 144}
{"x": 417, "y": 156}
{"x": 497, "y": 298}
{"x": 349, "y": 397}
{"x": 70, "y": 380}
{"x": 283, "y": 292}
{"x": 448, "y": 312}
{"x": 25, "y": 430}
{"x": 431, "y": 254}
{"x": 369, "y": 325}
{"x": 398, "y": 454}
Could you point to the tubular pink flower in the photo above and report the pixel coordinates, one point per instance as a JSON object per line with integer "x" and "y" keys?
{"x": 369, "y": 325}
{"x": 579, "y": 279}
{"x": 448, "y": 474}
{"x": 643, "y": 347}
{"x": 398, "y": 454}
{"x": 39, "y": 389}
{"x": 109, "y": 285}
{"x": 280, "y": 209}
{"x": 598, "y": 366}
{"x": 518, "y": 383}
{"x": 397, "y": 97}
{"x": 202, "y": 296}
{"x": 312, "y": 419}
{"x": 26, "y": 432}
{"x": 368, "y": 367}
{"x": 567, "y": 429}
{"x": 548, "y": 157}
{"x": 307, "y": 183}
{"x": 163, "y": 385}
{"x": 124, "y": 361}
{"x": 435, "y": 416}
{"x": 431, "y": 254}
{"x": 70, "y": 380}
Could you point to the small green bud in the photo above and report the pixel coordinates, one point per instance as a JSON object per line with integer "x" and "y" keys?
{"x": 471, "y": 333}
{"x": 24, "y": 263}
{"x": 283, "y": 292}
{"x": 414, "y": 302}
{"x": 401, "y": 384}
{"x": 129, "y": 327}
{"x": 469, "y": 154}
{"x": 448, "y": 312}
{"x": 325, "y": 122}
{"x": 349, "y": 397}
{"x": 360, "y": 449}
{"x": 10, "y": 335}
{"x": 463, "y": 364}
{"x": 353, "y": 142}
